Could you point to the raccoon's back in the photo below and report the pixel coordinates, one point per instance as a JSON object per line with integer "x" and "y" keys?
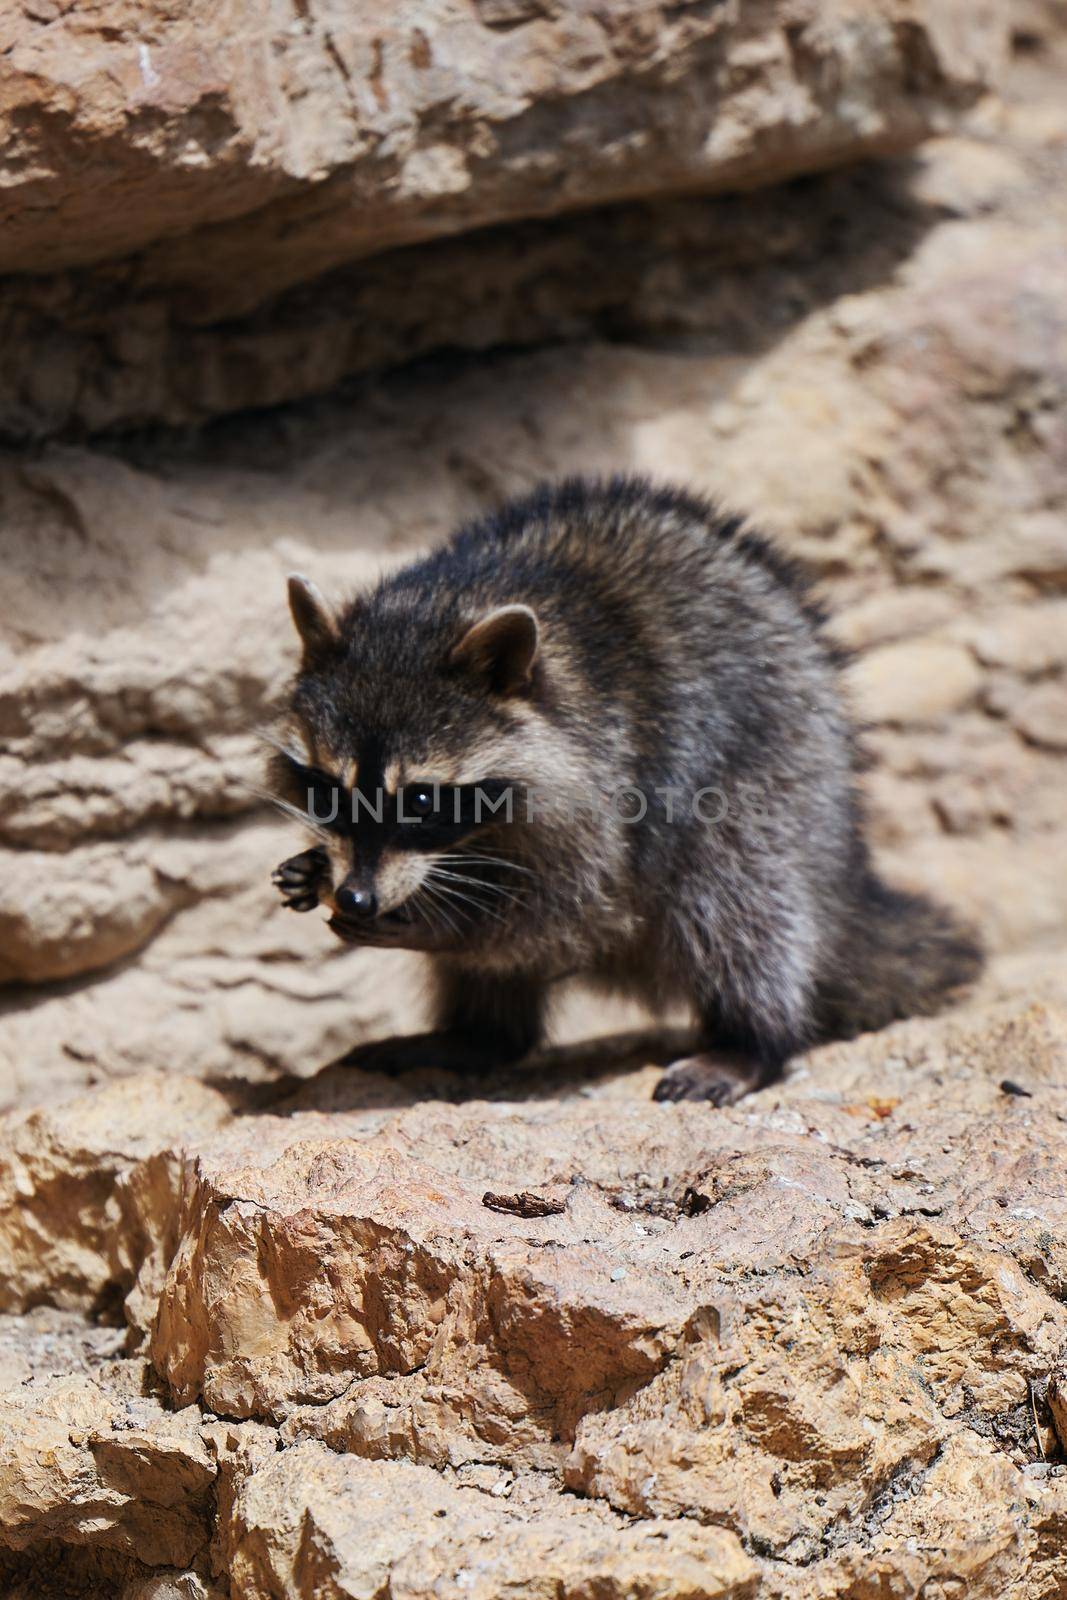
{"x": 639, "y": 532}
{"x": 657, "y": 584}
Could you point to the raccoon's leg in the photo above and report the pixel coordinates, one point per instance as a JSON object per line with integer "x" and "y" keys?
{"x": 298, "y": 880}
{"x": 497, "y": 1016}
{"x": 730, "y": 1068}
{"x": 482, "y": 1022}
{"x": 754, "y": 1007}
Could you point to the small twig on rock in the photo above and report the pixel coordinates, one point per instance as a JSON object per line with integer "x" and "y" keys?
{"x": 1037, "y": 1425}
{"x": 523, "y": 1205}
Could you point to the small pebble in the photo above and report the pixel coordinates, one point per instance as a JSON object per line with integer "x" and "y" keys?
{"x": 618, "y": 1275}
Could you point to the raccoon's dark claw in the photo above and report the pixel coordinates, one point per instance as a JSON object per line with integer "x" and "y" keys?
{"x": 304, "y": 902}
{"x": 290, "y": 878}
{"x": 298, "y": 879}
{"x": 718, "y": 1080}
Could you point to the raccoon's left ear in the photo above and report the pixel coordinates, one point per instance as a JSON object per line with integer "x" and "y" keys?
{"x": 313, "y": 619}
{"x": 502, "y": 647}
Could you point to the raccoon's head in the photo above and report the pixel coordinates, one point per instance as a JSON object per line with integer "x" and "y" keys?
{"x": 418, "y": 727}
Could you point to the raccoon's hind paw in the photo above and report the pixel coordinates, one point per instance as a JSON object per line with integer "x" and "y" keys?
{"x": 719, "y": 1078}
{"x": 298, "y": 879}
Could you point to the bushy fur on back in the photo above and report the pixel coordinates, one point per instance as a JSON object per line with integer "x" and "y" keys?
{"x": 678, "y": 655}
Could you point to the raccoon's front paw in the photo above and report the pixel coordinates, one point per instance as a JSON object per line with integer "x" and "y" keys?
{"x": 720, "y": 1079}
{"x": 298, "y": 880}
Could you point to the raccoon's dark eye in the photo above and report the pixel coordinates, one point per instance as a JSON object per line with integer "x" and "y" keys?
{"x": 419, "y": 801}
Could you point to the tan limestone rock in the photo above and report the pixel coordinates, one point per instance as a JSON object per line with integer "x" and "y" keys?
{"x": 800, "y": 1328}
{"x": 64, "y": 1237}
{"x": 174, "y": 168}
{"x": 82, "y": 1463}
{"x": 389, "y": 1267}
{"x": 314, "y": 1519}
{"x": 914, "y": 682}
{"x": 1041, "y": 716}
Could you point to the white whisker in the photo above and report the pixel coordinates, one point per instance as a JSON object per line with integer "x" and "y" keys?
{"x": 486, "y": 860}
{"x": 453, "y": 894}
{"x": 291, "y": 811}
{"x": 477, "y": 884}
{"x": 426, "y": 910}
{"x": 427, "y": 888}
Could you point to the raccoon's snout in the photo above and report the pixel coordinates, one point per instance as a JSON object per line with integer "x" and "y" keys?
{"x": 361, "y": 904}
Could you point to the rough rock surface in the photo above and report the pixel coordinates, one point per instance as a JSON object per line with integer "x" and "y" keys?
{"x": 374, "y": 1527}
{"x": 65, "y": 1176}
{"x": 805, "y": 1346}
{"x": 260, "y": 1333}
{"x": 100, "y": 1482}
{"x": 170, "y": 169}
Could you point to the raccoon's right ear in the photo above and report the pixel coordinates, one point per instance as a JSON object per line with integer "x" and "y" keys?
{"x": 502, "y": 647}
{"x": 315, "y": 622}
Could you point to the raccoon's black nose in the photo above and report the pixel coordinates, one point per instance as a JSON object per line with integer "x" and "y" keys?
{"x": 362, "y": 903}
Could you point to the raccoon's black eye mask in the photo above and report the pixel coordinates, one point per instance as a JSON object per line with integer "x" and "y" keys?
{"x": 420, "y": 816}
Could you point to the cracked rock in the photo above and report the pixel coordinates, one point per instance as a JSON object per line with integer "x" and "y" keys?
{"x": 314, "y": 1519}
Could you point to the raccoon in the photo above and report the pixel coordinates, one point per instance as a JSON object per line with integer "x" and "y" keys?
{"x": 600, "y": 733}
